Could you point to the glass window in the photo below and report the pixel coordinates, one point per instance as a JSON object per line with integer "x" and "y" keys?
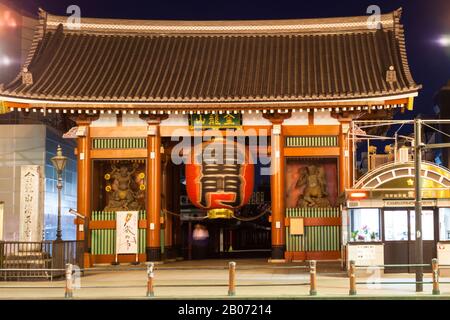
{"x": 444, "y": 224}
{"x": 427, "y": 225}
{"x": 365, "y": 225}
{"x": 396, "y": 225}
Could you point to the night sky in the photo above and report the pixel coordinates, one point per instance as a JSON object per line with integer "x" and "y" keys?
{"x": 424, "y": 20}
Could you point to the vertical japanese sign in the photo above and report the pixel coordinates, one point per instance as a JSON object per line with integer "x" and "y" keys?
{"x": 127, "y": 232}
{"x": 31, "y": 218}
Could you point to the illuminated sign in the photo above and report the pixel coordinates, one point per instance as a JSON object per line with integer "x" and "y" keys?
{"x": 215, "y": 121}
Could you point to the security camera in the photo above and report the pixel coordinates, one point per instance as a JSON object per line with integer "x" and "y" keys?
{"x": 79, "y": 215}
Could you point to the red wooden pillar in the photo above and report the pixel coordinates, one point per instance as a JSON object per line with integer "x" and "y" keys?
{"x": 84, "y": 184}
{"x": 345, "y": 168}
{"x": 167, "y": 205}
{"x": 153, "y": 247}
{"x": 277, "y": 193}
{"x": 176, "y": 228}
{"x": 277, "y": 185}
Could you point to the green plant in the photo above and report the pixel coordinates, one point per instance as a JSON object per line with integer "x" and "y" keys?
{"x": 354, "y": 235}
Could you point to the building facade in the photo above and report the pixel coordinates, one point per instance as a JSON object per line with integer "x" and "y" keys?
{"x": 32, "y": 145}
{"x": 149, "y": 98}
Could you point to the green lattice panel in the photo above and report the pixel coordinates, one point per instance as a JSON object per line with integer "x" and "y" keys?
{"x": 312, "y": 141}
{"x": 315, "y": 238}
{"x": 103, "y": 241}
{"x": 119, "y": 143}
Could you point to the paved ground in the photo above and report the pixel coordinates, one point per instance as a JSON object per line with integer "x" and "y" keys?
{"x": 255, "y": 279}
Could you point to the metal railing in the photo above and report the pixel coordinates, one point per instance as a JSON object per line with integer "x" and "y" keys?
{"x": 435, "y": 281}
{"x": 32, "y": 260}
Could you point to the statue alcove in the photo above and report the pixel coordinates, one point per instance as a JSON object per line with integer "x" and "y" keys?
{"x": 119, "y": 185}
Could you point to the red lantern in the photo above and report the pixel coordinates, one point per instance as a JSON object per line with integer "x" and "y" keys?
{"x": 220, "y": 176}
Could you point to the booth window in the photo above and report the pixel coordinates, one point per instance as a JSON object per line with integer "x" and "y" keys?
{"x": 365, "y": 225}
{"x": 427, "y": 225}
{"x": 396, "y": 225}
{"x": 444, "y": 224}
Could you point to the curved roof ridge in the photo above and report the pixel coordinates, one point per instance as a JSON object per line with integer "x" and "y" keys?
{"x": 334, "y": 24}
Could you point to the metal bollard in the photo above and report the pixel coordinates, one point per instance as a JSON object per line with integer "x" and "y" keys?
{"x": 313, "y": 278}
{"x": 69, "y": 282}
{"x": 232, "y": 279}
{"x": 150, "y": 275}
{"x": 435, "y": 269}
{"x": 352, "y": 276}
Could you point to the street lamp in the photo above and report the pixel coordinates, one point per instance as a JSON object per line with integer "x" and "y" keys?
{"x": 59, "y": 162}
{"x": 444, "y": 41}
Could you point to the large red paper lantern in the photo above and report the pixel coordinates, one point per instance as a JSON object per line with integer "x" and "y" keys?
{"x": 219, "y": 180}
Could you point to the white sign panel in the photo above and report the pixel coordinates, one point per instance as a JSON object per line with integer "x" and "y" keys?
{"x": 443, "y": 256}
{"x": 31, "y": 213}
{"x": 127, "y": 232}
{"x": 366, "y": 255}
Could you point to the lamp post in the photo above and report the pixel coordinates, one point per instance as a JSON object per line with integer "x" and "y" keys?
{"x": 418, "y": 146}
{"x": 59, "y": 162}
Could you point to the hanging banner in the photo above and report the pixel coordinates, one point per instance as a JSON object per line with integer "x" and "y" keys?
{"x": 31, "y": 204}
{"x": 127, "y": 232}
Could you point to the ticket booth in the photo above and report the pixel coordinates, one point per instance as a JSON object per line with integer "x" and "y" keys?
{"x": 384, "y": 214}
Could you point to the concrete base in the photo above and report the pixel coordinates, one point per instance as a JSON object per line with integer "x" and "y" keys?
{"x": 153, "y": 254}
{"x": 87, "y": 260}
{"x": 278, "y": 252}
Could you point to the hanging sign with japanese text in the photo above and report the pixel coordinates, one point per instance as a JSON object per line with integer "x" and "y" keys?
{"x": 215, "y": 121}
{"x": 127, "y": 232}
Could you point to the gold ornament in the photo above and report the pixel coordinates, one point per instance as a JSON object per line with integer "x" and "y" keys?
{"x": 142, "y": 187}
{"x": 108, "y": 188}
{"x": 107, "y": 176}
{"x": 141, "y": 175}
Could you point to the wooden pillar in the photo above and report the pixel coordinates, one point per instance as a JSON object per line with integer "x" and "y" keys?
{"x": 167, "y": 205}
{"x": 84, "y": 184}
{"x": 277, "y": 186}
{"x": 176, "y": 228}
{"x": 345, "y": 167}
{"x": 153, "y": 247}
{"x": 277, "y": 193}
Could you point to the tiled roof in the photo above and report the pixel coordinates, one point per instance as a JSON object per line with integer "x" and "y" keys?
{"x": 127, "y": 61}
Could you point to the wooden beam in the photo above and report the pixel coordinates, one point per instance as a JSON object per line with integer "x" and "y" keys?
{"x": 118, "y": 153}
{"x": 312, "y": 152}
{"x": 169, "y": 131}
{"x": 119, "y": 132}
{"x": 111, "y": 224}
{"x": 123, "y": 258}
{"x": 325, "y": 130}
